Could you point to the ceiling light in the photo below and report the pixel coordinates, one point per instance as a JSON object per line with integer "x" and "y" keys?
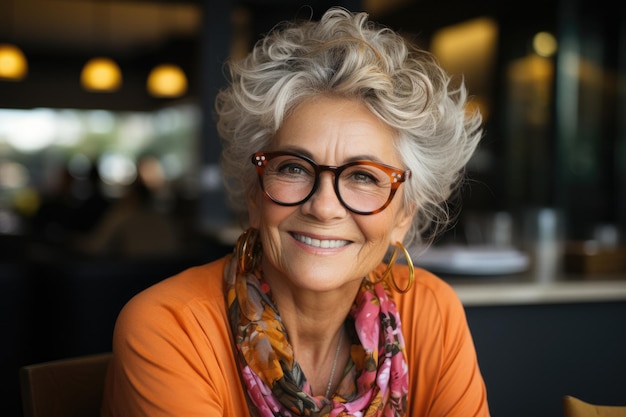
{"x": 167, "y": 80}
{"x": 13, "y": 64}
{"x": 545, "y": 44}
{"x": 101, "y": 75}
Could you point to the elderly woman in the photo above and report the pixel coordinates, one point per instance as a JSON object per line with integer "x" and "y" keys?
{"x": 341, "y": 144}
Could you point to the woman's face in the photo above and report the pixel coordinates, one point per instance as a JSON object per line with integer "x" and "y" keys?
{"x": 331, "y": 131}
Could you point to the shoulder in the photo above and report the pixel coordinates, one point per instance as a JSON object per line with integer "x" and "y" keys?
{"x": 172, "y": 349}
{"x": 425, "y": 284}
{"x": 444, "y": 378}
{"x": 198, "y": 288}
{"x": 197, "y": 282}
{"x": 430, "y": 298}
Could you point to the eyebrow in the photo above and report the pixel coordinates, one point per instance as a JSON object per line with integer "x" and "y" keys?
{"x": 304, "y": 152}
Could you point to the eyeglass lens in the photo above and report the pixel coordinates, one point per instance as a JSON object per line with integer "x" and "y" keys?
{"x": 291, "y": 180}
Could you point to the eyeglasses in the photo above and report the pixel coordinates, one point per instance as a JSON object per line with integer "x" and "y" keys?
{"x": 363, "y": 187}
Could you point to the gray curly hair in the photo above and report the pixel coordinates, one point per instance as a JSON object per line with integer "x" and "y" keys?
{"x": 347, "y": 55}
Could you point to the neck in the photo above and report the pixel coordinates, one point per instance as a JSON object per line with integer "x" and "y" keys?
{"x": 317, "y": 357}
{"x": 331, "y": 378}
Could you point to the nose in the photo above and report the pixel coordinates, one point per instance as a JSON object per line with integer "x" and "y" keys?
{"x": 324, "y": 204}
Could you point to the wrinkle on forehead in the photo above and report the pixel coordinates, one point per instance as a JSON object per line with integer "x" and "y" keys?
{"x": 336, "y": 130}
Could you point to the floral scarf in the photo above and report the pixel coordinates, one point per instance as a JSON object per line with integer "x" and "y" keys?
{"x": 375, "y": 383}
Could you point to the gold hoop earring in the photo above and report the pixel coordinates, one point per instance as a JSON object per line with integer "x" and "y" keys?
{"x": 246, "y": 249}
{"x": 388, "y": 274}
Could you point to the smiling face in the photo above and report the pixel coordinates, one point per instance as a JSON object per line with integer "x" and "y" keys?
{"x": 320, "y": 245}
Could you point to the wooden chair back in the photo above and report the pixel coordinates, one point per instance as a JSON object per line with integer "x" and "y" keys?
{"x": 574, "y": 407}
{"x": 69, "y": 387}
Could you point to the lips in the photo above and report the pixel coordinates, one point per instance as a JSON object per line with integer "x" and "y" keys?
{"x": 320, "y": 243}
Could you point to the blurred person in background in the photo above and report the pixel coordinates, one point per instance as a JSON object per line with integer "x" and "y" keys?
{"x": 71, "y": 204}
{"x": 136, "y": 225}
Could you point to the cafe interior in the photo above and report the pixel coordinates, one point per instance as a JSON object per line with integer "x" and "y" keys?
{"x": 98, "y": 95}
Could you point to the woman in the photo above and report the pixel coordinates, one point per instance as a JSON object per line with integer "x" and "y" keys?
{"x": 340, "y": 142}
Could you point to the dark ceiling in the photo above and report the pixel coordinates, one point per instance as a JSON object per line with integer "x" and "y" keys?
{"x": 59, "y": 36}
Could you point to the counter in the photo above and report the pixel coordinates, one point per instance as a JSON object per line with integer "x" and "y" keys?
{"x": 492, "y": 276}
{"x": 525, "y": 290}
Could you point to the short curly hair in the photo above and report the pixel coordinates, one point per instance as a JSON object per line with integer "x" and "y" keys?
{"x": 345, "y": 54}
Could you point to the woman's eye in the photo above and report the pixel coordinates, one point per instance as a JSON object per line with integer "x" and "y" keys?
{"x": 364, "y": 177}
{"x": 292, "y": 169}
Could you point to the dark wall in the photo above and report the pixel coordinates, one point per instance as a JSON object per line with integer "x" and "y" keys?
{"x": 533, "y": 355}
{"x": 55, "y": 309}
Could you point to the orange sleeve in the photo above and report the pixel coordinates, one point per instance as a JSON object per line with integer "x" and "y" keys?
{"x": 172, "y": 352}
{"x": 445, "y": 378}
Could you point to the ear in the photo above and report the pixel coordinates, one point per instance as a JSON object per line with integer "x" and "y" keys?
{"x": 404, "y": 219}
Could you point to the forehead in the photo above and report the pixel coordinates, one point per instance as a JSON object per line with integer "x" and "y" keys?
{"x": 333, "y": 130}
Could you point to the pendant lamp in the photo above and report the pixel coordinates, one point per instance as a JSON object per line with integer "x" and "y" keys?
{"x": 13, "y": 64}
{"x": 167, "y": 81}
{"x": 101, "y": 74}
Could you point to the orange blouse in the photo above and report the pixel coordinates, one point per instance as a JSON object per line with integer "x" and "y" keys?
{"x": 173, "y": 353}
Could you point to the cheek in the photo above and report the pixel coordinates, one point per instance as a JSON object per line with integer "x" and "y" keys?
{"x": 403, "y": 224}
{"x": 387, "y": 229}
{"x": 263, "y": 213}
{"x": 377, "y": 228}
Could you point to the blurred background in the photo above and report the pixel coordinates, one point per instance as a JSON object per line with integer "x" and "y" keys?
{"x": 109, "y": 176}
{"x": 548, "y": 77}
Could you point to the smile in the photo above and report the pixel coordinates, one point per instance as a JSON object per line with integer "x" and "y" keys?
{"x": 318, "y": 243}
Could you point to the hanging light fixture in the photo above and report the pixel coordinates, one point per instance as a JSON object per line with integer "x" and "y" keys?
{"x": 101, "y": 74}
{"x": 167, "y": 81}
{"x": 13, "y": 63}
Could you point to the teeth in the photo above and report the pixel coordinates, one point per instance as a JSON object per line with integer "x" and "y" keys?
{"x": 321, "y": 243}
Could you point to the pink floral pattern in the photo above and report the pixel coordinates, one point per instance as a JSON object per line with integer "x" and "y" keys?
{"x": 376, "y": 383}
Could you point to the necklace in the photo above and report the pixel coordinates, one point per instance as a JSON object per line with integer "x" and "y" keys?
{"x": 332, "y": 371}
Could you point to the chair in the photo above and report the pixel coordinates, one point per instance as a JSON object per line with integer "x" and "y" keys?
{"x": 574, "y": 407}
{"x": 69, "y": 387}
